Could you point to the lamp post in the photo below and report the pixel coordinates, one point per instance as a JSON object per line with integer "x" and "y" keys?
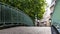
{"x": 36, "y": 18}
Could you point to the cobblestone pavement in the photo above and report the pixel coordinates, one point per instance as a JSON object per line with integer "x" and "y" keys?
{"x": 26, "y": 30}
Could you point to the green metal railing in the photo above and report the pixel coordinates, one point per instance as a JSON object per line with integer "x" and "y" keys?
{"x": 10, "y": 15}
{"x": 56, "y": 15}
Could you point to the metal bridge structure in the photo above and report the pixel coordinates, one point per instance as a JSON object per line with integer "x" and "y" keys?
{"x": 10, "y": 16}
{"x": 56, "y": 15}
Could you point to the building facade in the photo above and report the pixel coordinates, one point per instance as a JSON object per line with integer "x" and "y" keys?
{"x": 46, "y": 21}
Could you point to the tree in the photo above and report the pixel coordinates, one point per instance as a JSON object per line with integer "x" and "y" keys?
{"x": 30, "y": 7}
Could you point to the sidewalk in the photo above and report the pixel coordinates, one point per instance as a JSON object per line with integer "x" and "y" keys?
{"x": 26, "y": 30}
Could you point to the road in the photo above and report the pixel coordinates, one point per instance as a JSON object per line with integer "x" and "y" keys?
{"x": 26, "y": 30}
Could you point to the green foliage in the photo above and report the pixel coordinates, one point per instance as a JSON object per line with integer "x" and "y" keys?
{"x": 30, "y": 7}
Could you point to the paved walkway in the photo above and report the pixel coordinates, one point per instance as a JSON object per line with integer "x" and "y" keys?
{"x": 26, "y": 30}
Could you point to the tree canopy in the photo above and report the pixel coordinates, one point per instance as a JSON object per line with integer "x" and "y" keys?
{"x": 30, "y": 7}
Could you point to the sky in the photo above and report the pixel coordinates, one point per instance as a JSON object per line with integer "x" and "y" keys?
{"x": 49, "y": 2}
